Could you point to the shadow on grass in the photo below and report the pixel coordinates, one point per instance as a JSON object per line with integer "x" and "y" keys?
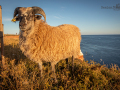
{"x": 13, "y": 52}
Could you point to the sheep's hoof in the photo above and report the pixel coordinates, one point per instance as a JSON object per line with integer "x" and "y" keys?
{"x": 54, "y": 80}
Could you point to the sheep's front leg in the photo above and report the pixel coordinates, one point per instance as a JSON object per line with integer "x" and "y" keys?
{"x": 67, "y": 63}
{"x": 40, "y": 67}
{"x": 73, "y": 63}
{"x": 53, "y": 70}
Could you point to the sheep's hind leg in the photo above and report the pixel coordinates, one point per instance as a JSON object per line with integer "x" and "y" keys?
{"x": 53, "y": 70}
{"x": 67, "y": 63}
{"x": 40, "y": 66}
{"x": 72, "y": 63}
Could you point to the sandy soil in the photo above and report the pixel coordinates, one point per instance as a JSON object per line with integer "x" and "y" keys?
{"x": 14, "y": 36}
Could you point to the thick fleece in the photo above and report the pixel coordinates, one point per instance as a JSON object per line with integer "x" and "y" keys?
{"x": 50, "y": 44}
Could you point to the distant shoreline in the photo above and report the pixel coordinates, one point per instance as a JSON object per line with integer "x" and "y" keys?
{"x": 84, "y": 34}
{"x": 11, "y": 35}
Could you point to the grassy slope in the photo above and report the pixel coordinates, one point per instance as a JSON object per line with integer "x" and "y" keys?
{"x": 21, "y": 73}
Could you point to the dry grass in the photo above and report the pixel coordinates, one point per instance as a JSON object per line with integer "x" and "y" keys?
{"x": 21, "y": 73}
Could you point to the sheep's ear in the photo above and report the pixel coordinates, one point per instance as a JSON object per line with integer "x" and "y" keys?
{"x": 38, "y": 17}
{"x": 17, "y": 19}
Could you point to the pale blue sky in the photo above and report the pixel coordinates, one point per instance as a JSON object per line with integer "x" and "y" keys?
{"x": 85, "y": 14}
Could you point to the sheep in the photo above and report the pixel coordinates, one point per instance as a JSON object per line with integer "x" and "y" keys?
{"x": 42, "y": 42}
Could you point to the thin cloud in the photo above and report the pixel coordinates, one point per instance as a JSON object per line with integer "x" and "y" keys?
{"x": 60, "y": 16}
{"x": 7, "y": 19}
{"x": 57, "y": 17}
{"x": 62, "y": 7}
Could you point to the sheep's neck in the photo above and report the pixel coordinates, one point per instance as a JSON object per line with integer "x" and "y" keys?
{"x": 24, "y": 34}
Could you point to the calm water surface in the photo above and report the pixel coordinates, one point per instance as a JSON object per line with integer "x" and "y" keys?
{"x": 101, "y": 48}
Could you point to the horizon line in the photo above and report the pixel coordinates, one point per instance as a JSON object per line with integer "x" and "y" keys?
{"x": 81, "y": 34}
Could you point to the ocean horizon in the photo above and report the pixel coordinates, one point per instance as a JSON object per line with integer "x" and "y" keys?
{"x": 103, "y": 49}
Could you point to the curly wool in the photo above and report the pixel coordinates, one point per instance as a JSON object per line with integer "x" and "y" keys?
{"x": 50, "y": 44}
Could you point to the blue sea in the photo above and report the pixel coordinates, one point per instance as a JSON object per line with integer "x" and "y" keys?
{"x": 101, "y": 48}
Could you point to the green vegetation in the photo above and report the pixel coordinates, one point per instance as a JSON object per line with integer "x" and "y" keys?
{"x": 22, "y": 73}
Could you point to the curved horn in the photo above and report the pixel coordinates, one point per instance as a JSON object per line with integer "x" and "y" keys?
{"x": 38, "y": 10}
{"x": 16, "y": 11}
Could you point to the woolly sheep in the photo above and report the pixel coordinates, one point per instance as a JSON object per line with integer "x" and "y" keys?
{"x": 42, "y": 42}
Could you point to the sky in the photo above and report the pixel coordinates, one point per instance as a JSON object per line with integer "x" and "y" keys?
{"x": 92, "y": 17}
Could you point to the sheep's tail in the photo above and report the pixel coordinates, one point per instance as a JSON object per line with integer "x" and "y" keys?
{"x": 80, "y": 56}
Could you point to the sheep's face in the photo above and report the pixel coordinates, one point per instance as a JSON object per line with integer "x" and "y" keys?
{"x": 26, "y": 18}
{"x": 26, "y": 21}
